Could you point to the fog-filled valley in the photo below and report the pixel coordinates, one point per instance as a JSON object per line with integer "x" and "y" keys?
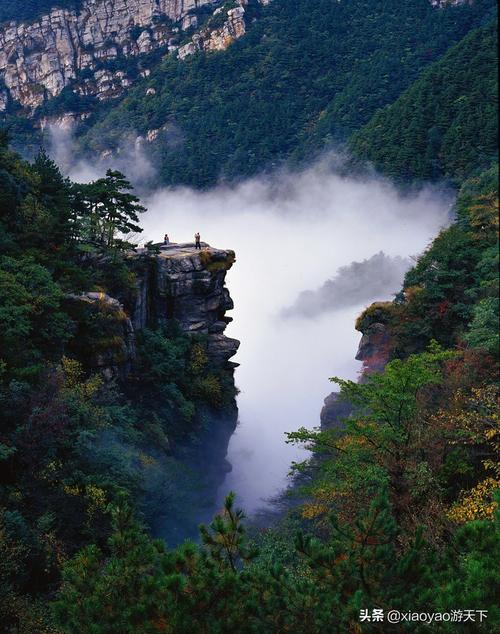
{"x": 351, "y": 238}
{"x": 249, "y": 312}
{"x": 290, "y": 232}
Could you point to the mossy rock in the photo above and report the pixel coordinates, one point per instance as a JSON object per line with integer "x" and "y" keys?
{"x": 215, "y": 262}
{"x": 378, "y": 312}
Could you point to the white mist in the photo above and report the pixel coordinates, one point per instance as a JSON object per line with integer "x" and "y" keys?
{"x": 291, "y": 233}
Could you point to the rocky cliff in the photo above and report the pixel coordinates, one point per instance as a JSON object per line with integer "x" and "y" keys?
{"x": 178, "y": 283}
{"x": 448, "y": 3}
{"x": 182, "y": 284}
{"x": 188, "y": 286}
{"x": 217, "y": 39}
{"x": 76, "y": 48}
{"x": 374, "y": 351}
{"x": 104, "y": 46}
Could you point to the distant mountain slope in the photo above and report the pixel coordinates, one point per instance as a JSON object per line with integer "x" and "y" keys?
{"x": 100, "y": 49}
{"x": 446, "y": 123}
{"x": 260, "y": 102}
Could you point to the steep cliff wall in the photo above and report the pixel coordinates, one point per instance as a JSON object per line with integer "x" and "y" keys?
{"x": 218, "y": 39}
{"x": 188, "y": 286}
{"x": 100, "y": 48}
{"x": 38, "y": 60}
{"x": 179, "y": 284}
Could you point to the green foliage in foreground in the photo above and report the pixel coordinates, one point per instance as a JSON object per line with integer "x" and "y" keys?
{"x": 70, "y": 442}
{"x": 451, "y": 294}
{"x": 377, "y": 504}
{"x": 399, "y": 507}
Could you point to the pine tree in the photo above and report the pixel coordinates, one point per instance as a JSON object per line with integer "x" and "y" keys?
{"x": 109, "y": 209}
{"x": 54, "y": 194}
{"x": 225, "y": 538}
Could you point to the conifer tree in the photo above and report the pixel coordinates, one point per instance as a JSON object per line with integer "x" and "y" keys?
{"x": 110, "y": 209}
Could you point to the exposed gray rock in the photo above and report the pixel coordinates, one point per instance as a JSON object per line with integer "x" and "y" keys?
{"x": 217, "y": 39}
{"x": 374, "y": 347}
{"x": 375, "y": 351}
{"x": 334, "y": 412}
{"x": 448, "y": 3}
{"x": 187, "y": 285}
{"x": 180, "y": 283}
{"x": 39, "y": 59}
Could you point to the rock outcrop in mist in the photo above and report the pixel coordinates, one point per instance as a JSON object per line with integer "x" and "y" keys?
{"x": 178, "y": 284}
{"x": 189, "y": 287}
{"x": 354, "y": 284}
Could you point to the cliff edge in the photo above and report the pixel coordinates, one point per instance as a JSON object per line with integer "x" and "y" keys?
{"x": 172, "y": 283}
{"x": 187, "y": 285}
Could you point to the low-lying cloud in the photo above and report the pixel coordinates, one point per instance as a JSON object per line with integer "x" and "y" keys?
{"x": 357, "y": 283}
{"x": 130, "y": 159}
{"x": 292, "y": 231}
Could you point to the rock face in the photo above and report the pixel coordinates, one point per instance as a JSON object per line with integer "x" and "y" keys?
{"x": 188, "y": 285}
{"x": 38, "y": 60}
{"x": 449, "y": 3}
{"x": 67, "y": 47}
{"x": 181, "y": 284}
{"x": 375, "y": 352}
{"x": 74, "y": 48}
{"x": 374, "y": 348}
{"x": 334, "y": 412}
{"x": 220, "y": 38}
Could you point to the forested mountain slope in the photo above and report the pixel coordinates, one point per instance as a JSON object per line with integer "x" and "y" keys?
{"x": 305, "y": 74}
{"x": 98, "y": 399}
{"x": 446, "y": 123}
{"x": 400, "y": 511}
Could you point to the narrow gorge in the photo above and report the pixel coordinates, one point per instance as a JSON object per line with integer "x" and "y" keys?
{"x": 290, "y": 422}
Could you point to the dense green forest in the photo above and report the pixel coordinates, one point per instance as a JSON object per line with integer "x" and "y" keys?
{"x": 446, "y": 124}
{"x": 303, "y": 77}
{"x": 398, "y": 508}
{"x": 70, "y": 442}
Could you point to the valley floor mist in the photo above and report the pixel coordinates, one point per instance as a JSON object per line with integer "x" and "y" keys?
{"x": 249, "y": 311}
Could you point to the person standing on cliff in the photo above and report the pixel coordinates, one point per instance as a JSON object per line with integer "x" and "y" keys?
{"x": 166, "y": 239}
{"x": 197, "y": 240}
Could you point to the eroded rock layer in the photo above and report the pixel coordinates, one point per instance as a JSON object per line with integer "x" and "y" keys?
{"x": 67, "y": 47}
{"x": 188, "y": 285}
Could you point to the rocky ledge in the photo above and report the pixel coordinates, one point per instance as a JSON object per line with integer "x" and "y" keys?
{"x": 187, "y": 285}
{"x": 175, "y": 282}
